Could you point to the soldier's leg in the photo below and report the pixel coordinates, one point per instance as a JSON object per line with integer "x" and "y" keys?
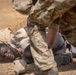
{"x": 43, "y": 57}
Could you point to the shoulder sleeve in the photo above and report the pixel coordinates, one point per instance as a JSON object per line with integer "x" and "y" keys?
{"x": 45, "y": 12}
{"x": 22, "y": 5}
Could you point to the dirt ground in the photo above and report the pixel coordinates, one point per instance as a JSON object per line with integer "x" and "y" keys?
{"x": 10, "y": 17}
{"x": 14, "y": 20}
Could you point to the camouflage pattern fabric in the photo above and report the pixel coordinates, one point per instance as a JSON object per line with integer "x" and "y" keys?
{"x": 5, "y": 35}
{"x": 42, "y": 15}
{"x": 68, "y": 25}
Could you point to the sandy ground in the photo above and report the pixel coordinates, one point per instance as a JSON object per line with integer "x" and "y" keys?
{"x": 14, "y": 20}
{"x": 10, "y": 17}
{"x": 7, "y": 69}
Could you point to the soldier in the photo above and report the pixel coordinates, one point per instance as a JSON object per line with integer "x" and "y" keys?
{"x": 43, "y": 14}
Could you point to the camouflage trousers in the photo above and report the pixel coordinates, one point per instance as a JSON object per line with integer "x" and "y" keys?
{"x": 43, "y": 57}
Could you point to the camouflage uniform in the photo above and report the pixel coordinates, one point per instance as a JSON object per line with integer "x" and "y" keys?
{"x": 42, "y": 15}
{"x": 68, "y": 25}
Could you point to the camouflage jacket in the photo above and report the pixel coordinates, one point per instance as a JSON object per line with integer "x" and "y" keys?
{"x": 44, "y": 12}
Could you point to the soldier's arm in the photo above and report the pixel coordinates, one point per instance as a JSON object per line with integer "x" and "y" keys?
{"x": 47, "y": 11}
